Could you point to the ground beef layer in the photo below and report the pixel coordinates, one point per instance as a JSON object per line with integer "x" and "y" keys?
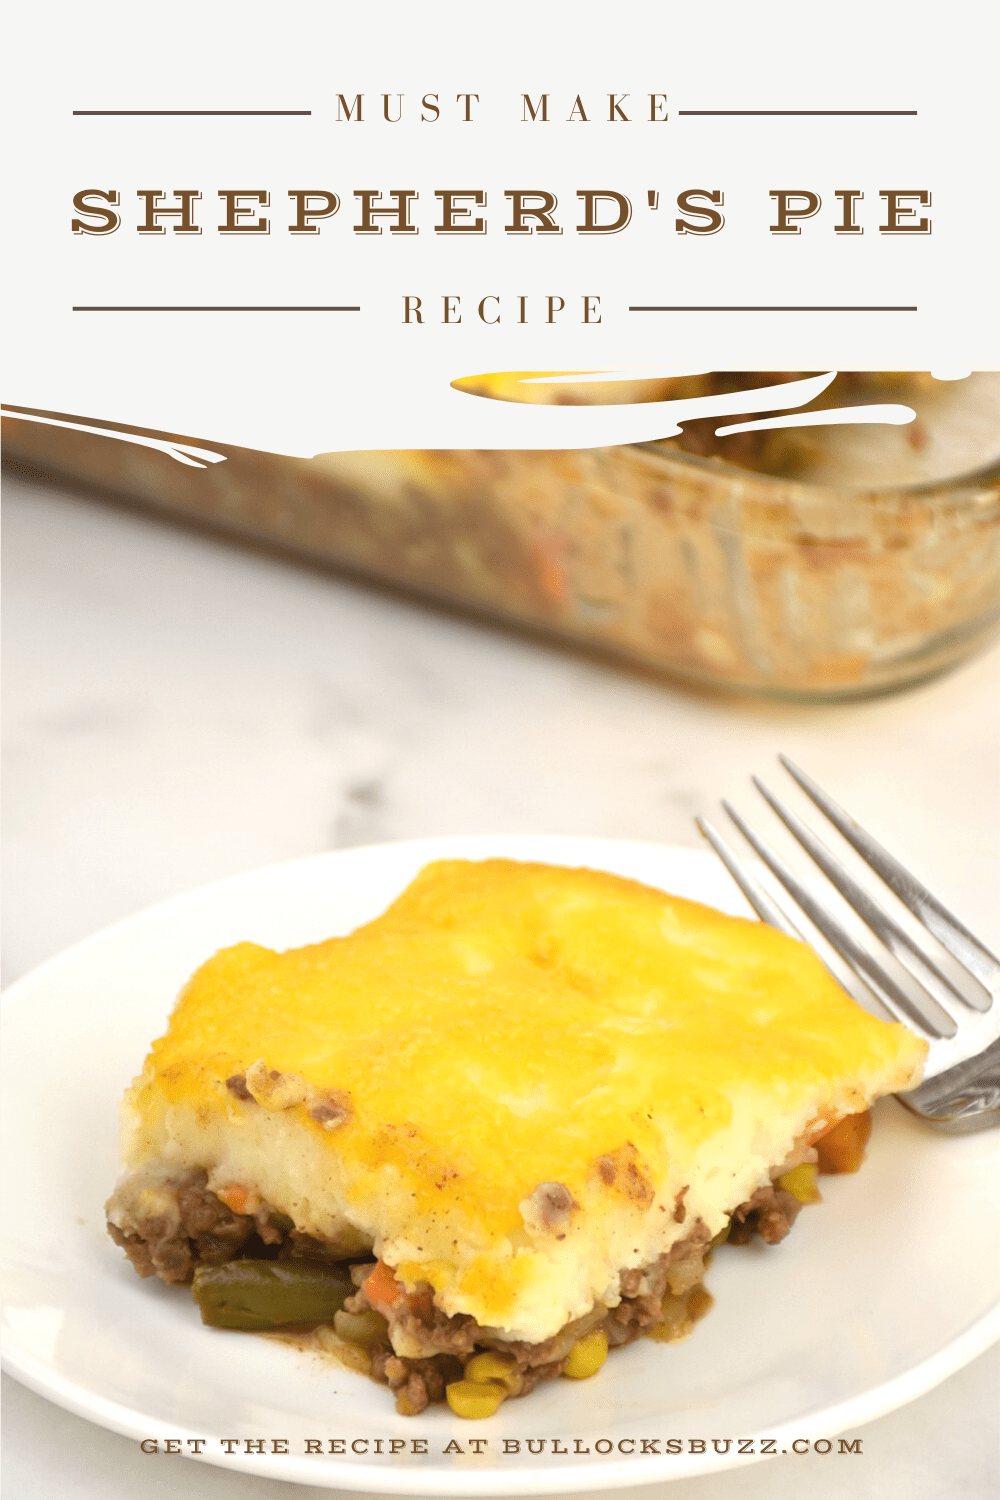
{"x": 666, "y": 1296}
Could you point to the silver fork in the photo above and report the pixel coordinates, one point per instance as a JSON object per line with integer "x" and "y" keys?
{"x": 961, "y": 1087}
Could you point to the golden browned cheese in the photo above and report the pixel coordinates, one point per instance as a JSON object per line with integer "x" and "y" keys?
{"x": 504, "y": 1030}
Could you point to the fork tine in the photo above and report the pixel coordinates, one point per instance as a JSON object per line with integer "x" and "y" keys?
{"x": 853, "y": 954}
{"x": 948, "y": 930}
{"x": 772, "y": 912}
{"x": 761, "y": 900}
{"x": 899, "y": 943}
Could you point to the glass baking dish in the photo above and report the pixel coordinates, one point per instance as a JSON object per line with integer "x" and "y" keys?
{"x": 680, "y": 561}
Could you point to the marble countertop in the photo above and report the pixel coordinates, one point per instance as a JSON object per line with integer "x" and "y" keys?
{"x": 179, "y": 708}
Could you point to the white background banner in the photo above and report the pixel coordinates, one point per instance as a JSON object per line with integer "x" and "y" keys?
{"x": 845, "y": 104}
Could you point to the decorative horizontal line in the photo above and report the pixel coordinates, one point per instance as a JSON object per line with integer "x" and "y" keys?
{"x": 216, "y": 309}
{"x": 772, "y": 309}
{"x": 796, "y": 111}
{"x": 192, "y": 111}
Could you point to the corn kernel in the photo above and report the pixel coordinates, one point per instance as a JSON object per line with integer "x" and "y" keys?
{"x": 495, "y": 1366}
{"x": 474, "y": 1398}
{"x": 801, "y": 1183}
{"x": 587, "y": 1355}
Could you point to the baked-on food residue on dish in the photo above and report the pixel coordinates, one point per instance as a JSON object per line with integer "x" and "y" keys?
{"x": 496, "y": 1131}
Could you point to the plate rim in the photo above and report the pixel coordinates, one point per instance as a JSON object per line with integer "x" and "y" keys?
{"x": 857, "y": 1411}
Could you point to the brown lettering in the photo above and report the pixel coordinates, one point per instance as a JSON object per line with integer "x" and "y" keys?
{"x": 591, "y": 198}
{"x": 848, "y": 197}
{"x": 306, "y": 209}
{"x": 542, "y": 211}
{"x": 401, "y": 211}
{"x": 109, "y": 220}
{"x": 811, "y": 204}
{"x": 154, "y": 197}
{"x": 895, "y": 211}
{"x": 687, "y": 205}
{"x": 450, "y": 212}
{"x": 235, "y": 212}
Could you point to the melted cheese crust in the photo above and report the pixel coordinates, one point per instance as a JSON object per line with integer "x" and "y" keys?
{"x": 503, "y": 1027}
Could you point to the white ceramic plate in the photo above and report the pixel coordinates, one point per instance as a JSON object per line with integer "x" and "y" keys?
{"x": 879, "y": 1294}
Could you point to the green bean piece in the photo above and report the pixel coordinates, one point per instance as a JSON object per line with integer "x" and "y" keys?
{"x": 266, "y": 1294}
{"x": 365, "y": 1329}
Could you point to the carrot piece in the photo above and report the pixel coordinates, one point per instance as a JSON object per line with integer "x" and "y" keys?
{"x": 381, "y": 1287}
{"x": 234, "y": 1197}
{"x": 842, "y": 1147}
{"x": 386, "y": 1293}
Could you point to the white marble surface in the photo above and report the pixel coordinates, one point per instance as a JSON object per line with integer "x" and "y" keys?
{"x": 180, "y": 709}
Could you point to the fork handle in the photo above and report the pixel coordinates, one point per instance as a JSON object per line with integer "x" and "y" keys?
{"x": 963, "y": 1098}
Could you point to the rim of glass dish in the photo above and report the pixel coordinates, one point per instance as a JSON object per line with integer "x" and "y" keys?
{"x": 986, "y": 476}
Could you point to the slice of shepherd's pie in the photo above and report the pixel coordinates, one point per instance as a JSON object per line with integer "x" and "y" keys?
{"x": 519, "y": 1107}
